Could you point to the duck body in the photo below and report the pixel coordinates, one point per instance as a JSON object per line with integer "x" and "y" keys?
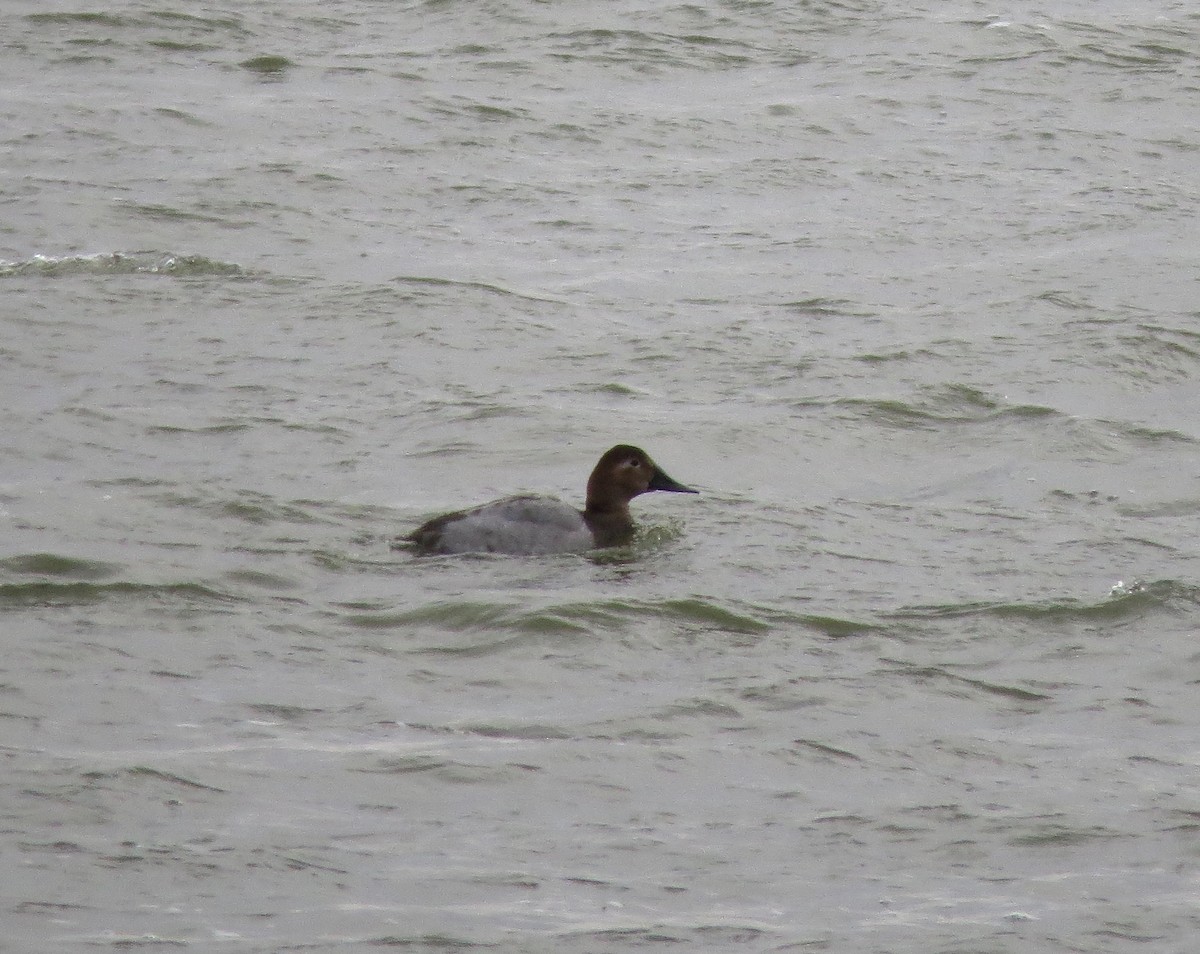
{"x": 533, "y": 525}
{"x": 525, "y": 524}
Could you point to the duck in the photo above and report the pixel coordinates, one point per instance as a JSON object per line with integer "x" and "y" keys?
{"x": 529, "y": 525}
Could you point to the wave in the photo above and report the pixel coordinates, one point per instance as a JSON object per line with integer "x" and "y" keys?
{"x": 506, "y": 623}
{"x": 665, "y": 933}
{"x": 58, "y": 580}
{"x": 1124, "y": 602}
{"x": 122, "y": 263}
{"x": 418, "y": 281}
{"x": 57, "y": 565}
{"x": 947, "y": 404}
{"x": 49, "y": 593}
{"x": 960, "y": 405}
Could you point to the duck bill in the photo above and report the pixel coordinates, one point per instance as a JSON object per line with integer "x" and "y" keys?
{"x": 661, "y": 481}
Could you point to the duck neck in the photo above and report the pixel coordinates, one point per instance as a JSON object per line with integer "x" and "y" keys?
{"x": 611, "y": 524}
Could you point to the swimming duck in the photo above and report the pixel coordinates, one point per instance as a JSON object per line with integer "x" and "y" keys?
{"x": 528, "y": 525}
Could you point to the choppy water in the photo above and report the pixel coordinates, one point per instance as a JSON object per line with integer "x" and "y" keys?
{"x": 909, "y": 292}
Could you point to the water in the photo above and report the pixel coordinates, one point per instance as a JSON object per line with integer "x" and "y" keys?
{"x": 908, "y": 292}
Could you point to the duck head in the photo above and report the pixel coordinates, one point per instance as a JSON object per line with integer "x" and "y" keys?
{"x": 625, "y": 472}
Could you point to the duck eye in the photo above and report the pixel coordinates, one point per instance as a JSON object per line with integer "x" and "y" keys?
{"x": 634, "y": 462}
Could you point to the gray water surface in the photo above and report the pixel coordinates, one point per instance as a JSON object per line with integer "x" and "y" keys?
{"x": 910, "y": 293}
